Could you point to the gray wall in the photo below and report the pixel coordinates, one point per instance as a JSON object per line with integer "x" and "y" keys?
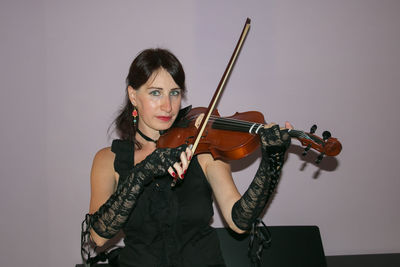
{"x": 334, "y": 63}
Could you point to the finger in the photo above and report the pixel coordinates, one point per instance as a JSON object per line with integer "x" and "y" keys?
{"x": 189, "y": 153}
{"x": 288, "y": 125}
{"x": 184, "y": 162}
{"x": 178, "y": 167}
{"x": 172, "y": 172}
{"x": 269, "y": 125}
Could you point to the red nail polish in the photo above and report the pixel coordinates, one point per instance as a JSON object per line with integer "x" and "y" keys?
{"x": 190, "y": 158}
{"x": 182, "y": 176}
{"x": 173, "y": 174}
{"x": 184, "y": 172}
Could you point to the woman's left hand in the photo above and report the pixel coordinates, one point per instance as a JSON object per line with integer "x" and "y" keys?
{"x": 275, "y": 139}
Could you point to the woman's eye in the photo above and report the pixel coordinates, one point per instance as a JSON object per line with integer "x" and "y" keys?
{"x": 175, "y": 93}
{"x": 155, "y": 93}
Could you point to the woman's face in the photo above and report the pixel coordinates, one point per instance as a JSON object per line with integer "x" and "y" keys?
{"x": 158, "y": 102}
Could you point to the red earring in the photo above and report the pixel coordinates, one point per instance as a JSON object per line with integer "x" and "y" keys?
{"x": 134, "y": 114}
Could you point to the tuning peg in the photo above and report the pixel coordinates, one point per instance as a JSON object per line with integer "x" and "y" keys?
{"x": 326, "y": 135}
{"x": 306, "y": 149}
{"x": 313, "y": 129}
{"x": 320, "y": 157}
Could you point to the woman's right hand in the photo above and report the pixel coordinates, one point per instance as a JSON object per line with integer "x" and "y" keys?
{"x": 175, "y": 161}
{"x": 178, "y": 170}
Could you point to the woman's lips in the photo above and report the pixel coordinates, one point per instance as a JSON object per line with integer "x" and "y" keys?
{"x": 164, "y": 118}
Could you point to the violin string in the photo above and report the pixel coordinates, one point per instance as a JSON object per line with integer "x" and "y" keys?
{"x": 244, "y": 125}
{"x": 228, "y": 122}
{"x": 247, "y": 126}
{"x": 235, "y": 121}
{"x": 232, "y": 121}
{"x": 299, "y": 134}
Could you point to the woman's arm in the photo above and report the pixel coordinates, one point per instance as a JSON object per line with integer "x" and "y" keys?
{"x": 103, "y": 184}
{"x": 241, "y": 211}
{"x": 219, "y": 176}
{"x": 114, "y": 213}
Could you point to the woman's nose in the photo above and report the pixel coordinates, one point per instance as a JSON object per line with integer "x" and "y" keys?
{"x": 166, "y": 104}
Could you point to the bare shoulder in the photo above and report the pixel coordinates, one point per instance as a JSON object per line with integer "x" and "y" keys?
{"x": 103, "y": 165}
{"x": 104, "y": 155}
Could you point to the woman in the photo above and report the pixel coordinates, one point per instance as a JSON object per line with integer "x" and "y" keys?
{"x": 131, "y": 181}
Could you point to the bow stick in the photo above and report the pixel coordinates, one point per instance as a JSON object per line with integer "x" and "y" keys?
{"x": 221, "y": 85}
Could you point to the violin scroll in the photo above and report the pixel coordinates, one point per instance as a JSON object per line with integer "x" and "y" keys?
{"x": 326, "y": 145}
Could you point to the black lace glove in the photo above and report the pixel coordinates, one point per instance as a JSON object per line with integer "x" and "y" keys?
{"x": 113, "y": 214}
{"x": 274, "y": 143}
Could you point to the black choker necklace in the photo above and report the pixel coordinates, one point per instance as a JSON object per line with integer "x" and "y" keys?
{"x": 145, "y": 137}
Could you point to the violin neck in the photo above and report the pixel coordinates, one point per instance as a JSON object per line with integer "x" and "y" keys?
{"x": 253, "y": 128}
{"x": 236, "y": 125}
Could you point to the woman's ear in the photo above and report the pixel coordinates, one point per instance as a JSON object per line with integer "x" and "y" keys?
{"x": 132, "y": 95}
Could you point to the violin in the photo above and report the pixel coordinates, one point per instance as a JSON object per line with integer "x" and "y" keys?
{"x": 233, "y": 137}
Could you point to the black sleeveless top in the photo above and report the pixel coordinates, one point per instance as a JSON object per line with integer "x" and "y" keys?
{"x": 169, "y": 227}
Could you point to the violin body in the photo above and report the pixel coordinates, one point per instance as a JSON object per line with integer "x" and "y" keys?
{"x": 222, "y": 138}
